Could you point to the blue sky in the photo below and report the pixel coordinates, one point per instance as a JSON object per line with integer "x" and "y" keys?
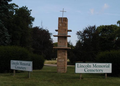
{"x": 80, "y": 14}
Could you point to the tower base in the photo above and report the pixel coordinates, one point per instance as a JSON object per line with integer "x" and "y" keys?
{"x": 62, "y": 61}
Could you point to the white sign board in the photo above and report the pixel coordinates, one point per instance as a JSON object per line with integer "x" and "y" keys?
{"x": 93, "y": 68}
{"x": 21, "y": 65}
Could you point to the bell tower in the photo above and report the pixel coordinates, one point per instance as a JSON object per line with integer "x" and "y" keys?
{"x": 62, "y": 44}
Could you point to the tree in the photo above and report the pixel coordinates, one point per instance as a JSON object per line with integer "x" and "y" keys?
{"x": 88, "y": 45}
{"x": 118, "y": 22}
{"x": 4, "y": 16}
{"x": 54, "y": 51}
{"x": 71, "y": 54}
{"x": 107, "y": 36}
{"x": 117, "y": 39}
{"x": 20, "y": 25}
{"x": 42, "y": 42}
{"x": 15, "y": 25}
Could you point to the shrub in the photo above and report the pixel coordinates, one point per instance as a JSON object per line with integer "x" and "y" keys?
{"x": 111, "y": 57}
{"x": 38, "y": 61}
{"x": 8, "y": 53}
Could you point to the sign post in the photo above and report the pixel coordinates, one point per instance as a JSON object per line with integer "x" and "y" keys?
{"x": 93, "y": 68}
{"x": 105, "y": 75}
{"x": 80, "y": 76}
{"x": 21, "y": 65}
{"x": 13, "y": 72}
{"x": 28, "y": 74}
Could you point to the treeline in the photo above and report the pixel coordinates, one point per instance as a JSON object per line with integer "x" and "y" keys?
{"x": 16, "y": 29}
{"x": 93, "y": 40}
{"x": 98, "y": 44}
{"x": 19, "y": 40}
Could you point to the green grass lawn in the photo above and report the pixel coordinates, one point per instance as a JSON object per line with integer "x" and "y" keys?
{"x": 52, "y": 61}
{"x": 48, "y": 76}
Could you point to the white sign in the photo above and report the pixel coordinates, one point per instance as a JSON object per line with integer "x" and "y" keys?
{"x": 21, "y": 65}
{"x": 93, "y": 68}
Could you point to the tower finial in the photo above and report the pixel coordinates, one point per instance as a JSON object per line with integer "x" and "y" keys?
{"x": 62, "y": 13}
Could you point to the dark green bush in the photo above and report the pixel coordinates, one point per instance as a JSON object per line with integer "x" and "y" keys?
{"x": 38, "y": 61}
{"x": 113, "y": 57}
{"x": 8, "y": 53}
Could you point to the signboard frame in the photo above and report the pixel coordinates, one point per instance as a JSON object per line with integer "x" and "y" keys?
{"x": 85, "y": 67}
{"x": 21, "y": 65}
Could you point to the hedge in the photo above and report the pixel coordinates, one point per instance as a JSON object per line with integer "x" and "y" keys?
{"x": 113, "y": 57}
{"x": 38, "y": 61}
{"x": 8, "y": 53}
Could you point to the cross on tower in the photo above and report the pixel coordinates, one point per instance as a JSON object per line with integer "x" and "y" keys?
{"x": 62, "y": 13}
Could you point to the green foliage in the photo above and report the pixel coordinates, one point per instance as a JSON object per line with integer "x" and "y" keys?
{"x": 4, "y": 35}
{"x": 38, "y": 61}
{"x": 16, "y": 30}
{"x": 15, "y": 25}
{"x": 107, "y": 36}
{"x": 4, "y": 16}
{"x": 71, "y": 54}
{"x": 54, "y": 51}
{"x": 78, "y": 52}
{"x": 8, "y": 53}
{"x": 42, "y": 42}
{"x": 118, "y": 22}
{"x": 93, "y": 40}
{"x": 88, "y": 45}
{"x": 20, "y": 26}
{"x": 113, "y": 57}
{"x": 117, "y": 39}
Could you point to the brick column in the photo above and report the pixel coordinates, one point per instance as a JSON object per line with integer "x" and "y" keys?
{"x": 62, "y": 44}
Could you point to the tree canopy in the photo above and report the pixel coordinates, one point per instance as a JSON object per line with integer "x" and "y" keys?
{"x": 4, "y": 16}
{"x": 93, "y": 40}
{"x": 16, "y": 29}
{"x": 42, "y": 42}
{"x": 87, "y": 46}
{"x": 107, "y": 35}
{"x": 118, "y": 22}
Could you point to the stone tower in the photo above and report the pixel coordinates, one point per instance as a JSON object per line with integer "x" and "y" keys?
{"x": 62, "y": 44}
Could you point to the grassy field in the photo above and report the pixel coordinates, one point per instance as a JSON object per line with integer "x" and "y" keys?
{"x": 49, "y": 77}
{"x": 52, "y": 61}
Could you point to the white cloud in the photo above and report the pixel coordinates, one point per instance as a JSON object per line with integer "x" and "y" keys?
{"x": 105, "y": 6}
{"x": 92, "y": 11}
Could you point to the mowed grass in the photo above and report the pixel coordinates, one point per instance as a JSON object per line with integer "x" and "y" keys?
{"x": 48, "y": 76}
{"x": 52, "y": 61}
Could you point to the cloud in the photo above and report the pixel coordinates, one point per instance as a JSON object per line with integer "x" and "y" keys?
{"x": 105, "y": 6}
{"x": 101, "y": 11}
{"x": 92, "y": 11}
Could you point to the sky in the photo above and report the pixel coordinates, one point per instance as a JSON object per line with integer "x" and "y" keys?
{"x": 80, "y": 14}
